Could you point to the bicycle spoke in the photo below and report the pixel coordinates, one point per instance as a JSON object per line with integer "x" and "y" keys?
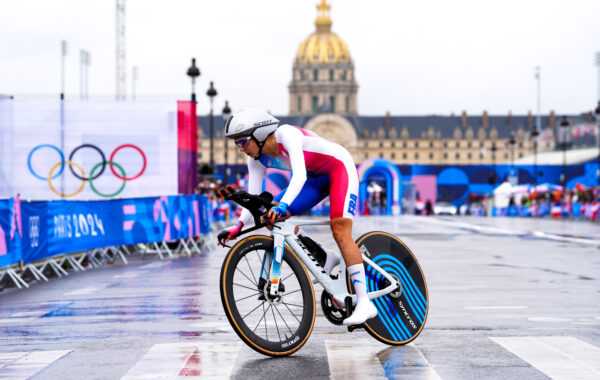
{"x": 261, "y": 318}
{"x": 249, "y": 267}
{"x": 263, "y": 302}
{"x": 242, "y": 286}
{"x": 244, "y": 274}
{"x": 291, "y": 312}
{"x": 276, "y": 326}
{"x": 251, "y": 295}
{"x": 283, "y": 319}
{"x": 292, "y": 292}
{"x": 293, "y": 304}
{"x": 288, "y": 276}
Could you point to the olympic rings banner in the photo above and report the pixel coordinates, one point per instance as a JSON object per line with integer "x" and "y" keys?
{"x": 86, "y": 150}
{"x": 57, "y": 227}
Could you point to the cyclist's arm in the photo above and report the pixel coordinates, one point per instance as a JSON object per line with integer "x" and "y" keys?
{"x": 256, "y": 173}
{"x": 291, "y": 139}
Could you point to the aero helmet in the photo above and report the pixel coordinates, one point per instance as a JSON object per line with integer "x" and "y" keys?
{"x": 251, "y": 122}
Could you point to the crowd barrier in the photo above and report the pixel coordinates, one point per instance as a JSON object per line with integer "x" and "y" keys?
{"x": 589, "y": 211}
{"x": 50, "y": 236}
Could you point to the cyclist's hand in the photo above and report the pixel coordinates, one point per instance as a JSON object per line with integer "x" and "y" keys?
{"x": 278, "y": 211}
{"x": 229, "y": 233}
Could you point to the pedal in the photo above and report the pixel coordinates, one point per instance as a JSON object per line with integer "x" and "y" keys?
{"x": 354, "y": 327}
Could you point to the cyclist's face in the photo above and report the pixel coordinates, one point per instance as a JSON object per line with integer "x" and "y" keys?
{"x": 248, "y": 146}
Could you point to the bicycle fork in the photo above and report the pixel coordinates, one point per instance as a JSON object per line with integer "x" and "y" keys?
{"x": 270, "y": 270}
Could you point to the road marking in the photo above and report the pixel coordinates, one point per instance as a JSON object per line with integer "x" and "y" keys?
{"x": 171, "y": 360}
{"x": 549, "y": 319}
{"x": 215, "y": 326}
{"x": 367, "y": 359}
{"x": 559, "y": 357}
{"x": 157, "y": 264}
{"x": 494, "y": 307}
{"x": 131, "y": 274}
{"x": 23, "y": 365}
{"x": 82, "y": 291}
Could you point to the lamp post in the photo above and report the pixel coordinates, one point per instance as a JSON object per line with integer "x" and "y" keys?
{"x": 564, "y": 130}
{"x": 226, "y": 113}
{"x": 493, "y": 176}
{"x": 598, "y": 138}
{"x": 193, "y": 72}
{"x": 512, "y": 142}
{"x": 211, "y": 93}
{"x": 534, "y": 134}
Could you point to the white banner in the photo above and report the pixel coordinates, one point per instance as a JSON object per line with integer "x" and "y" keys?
{"x": 87, "y": 149}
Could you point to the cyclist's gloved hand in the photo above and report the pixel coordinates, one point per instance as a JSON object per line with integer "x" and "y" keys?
{"x": 278, "y": 211}
{"x": 229, "y": 233}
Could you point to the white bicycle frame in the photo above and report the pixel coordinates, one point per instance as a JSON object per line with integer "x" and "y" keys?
{"x": 283, "y": 233}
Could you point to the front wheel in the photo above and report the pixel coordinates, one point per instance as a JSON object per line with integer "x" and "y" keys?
{"x": 275, "y": 327}
{"x": 402, "y": 313}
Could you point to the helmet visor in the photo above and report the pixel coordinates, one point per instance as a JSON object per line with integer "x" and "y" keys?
{"x": 242, "y": 142}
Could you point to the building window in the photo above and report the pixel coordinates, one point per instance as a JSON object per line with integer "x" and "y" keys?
{"x": 431, "y": 156}
{"x": 457, "y": 156}
{"x": 331, "y": 75}
{"x": 315, "y": 75}
{"x": 458, "y": 144}
{"x": 469, "y": 145}
{"x": 393, "y": 144}
{"x": 506, "y": 156}
{"x": 481, "y": 144}
{"x": 344, "y": 75}
{"x": 404, "y": 155}
{"x": 520, "y": 155}
{"x": 469, "y": 156}
{"x": 481, "y": 155}
{"x": 416, "y": 144}
{"x": 302, "y": 77}
{"x": 445, "y": 144}
{"x": 380, "y": 155}
{"x": 381, "y": 144}
{"x": 393, "y": 155}
{"x": 332, "y": 103}
{"x": 315, "y": 102}
{"x": 299, "y": 104}
{"x": 347, "y": 104}
{"x": 366, "y": 156}
{"x": 404, "y": 144}
{"x": 521, "y": 144}
{"x": 445, "y": 155}
{"x": 431, "y": 144}
{"x": 416, "y": 156}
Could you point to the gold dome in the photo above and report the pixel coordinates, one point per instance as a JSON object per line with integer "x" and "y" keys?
{"x": 323, "y": 46}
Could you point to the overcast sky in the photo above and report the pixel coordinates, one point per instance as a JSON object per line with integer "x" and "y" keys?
{"x": 411, "y": 57}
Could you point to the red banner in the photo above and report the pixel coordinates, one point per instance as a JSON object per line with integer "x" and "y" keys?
{"x": 187, "y": 146}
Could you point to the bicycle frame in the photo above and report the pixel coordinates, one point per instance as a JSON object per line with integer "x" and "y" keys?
{"x": 283, "y": 233}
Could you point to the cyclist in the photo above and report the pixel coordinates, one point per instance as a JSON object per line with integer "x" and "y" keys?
{"x": 319, "y": 168}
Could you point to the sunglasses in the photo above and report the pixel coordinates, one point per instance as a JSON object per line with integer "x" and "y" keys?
{"x": 243, "y": 142}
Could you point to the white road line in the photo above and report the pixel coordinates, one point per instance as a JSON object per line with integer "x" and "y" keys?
{"x": 31, "y": 363}
{"x": 559, "y": 357}
{"x": 157, "y": 264}
{"x": 178, "y": 360}
{"x": 131, "y": 274}
{"x": 82, "y": 291}
{"x": 36, "y": 313}
{"x": 494, "y": 307}
{"x": 365, "y": 359}
{"x": 8, "y": 357}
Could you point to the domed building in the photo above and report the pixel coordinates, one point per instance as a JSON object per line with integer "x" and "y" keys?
{"x": 323, "y": 72}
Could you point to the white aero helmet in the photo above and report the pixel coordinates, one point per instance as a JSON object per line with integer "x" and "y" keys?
{"x": 251, "y": 122}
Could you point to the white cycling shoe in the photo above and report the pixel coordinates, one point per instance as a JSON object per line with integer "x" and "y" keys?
{"x": 333, "y": 259}
{"x": 364, "y": 310}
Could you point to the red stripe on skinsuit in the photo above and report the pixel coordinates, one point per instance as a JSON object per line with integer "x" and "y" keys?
{"x": 337, "y": 192}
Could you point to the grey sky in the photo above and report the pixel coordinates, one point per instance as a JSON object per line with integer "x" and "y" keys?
{"x": 411, "y": 57}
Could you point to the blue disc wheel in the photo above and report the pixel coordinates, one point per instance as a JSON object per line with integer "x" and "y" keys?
{"x": 402, "y": 313}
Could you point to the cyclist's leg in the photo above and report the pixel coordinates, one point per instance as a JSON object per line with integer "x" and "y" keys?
{"x": 344, "y": 201}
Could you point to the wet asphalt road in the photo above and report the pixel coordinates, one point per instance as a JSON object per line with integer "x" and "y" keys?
{"x": 502, "y": 292}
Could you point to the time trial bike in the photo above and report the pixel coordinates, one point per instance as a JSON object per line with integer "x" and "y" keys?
{"x": 268, "y": 296}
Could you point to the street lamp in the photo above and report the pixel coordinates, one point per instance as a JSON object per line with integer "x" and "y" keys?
{"x": 598, "y": 136}
{"x": 193, "y": 72}
{"x": 512, "y": 142}
{"x": 534, "y": 134}
{"x": 211, "y": 93}
{"x": 226, "y": 113}
{"x": 493, "y": 176}
{"x": 564, "y": 130}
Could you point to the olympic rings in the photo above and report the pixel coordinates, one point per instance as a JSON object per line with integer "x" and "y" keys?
{"x": 62, "y": 160}
{"x": 103, "y": 163}
{"x": 93, "y": 175}
{"x": 62, "y": 194}
{"x": 112, "y": 156}
{"x": 97, "y": 150}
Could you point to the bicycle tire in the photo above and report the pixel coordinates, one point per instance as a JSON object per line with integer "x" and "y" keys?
{"x": 240, "y": 271}
{"x": 400, "y": 319}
